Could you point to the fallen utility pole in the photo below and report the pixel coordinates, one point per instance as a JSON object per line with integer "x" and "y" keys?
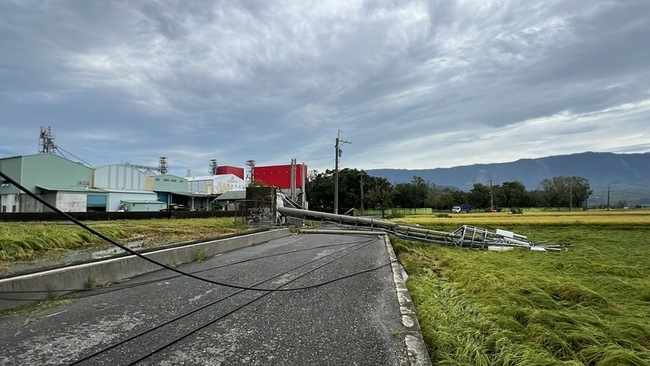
{"x": 464, "y": 236}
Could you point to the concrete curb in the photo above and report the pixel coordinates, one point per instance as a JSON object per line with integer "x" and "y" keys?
{"x": 418, "y": 354}
{"x": 15, "y": 290}
{"x": 417, "y": 350}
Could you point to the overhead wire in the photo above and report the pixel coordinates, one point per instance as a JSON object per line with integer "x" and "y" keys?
{"x": 277, "y": 289}
{"x": 193, "y": 276}
{"x": 95, "y": 354}
{"x": 118, "y": 287}
{"x": 126, "y": 248}
{"x": 61, "y": 150}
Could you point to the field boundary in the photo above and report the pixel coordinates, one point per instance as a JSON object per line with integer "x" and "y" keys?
{"x": 79, "y": 277}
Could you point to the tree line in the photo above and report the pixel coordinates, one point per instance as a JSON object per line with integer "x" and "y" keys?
{"x": 379, "y": 193}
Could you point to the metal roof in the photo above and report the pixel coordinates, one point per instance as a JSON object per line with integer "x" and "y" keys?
{"x": 130, "y": 191}
{"x": 186, "y": 194}
{"x": 70, "y": 189}
{"x": 232, "y": 195}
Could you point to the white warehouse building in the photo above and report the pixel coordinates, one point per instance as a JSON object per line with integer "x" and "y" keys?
{"x": 215, "y": 184}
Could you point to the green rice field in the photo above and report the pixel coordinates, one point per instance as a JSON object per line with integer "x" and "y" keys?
{"x": 23, "y": 241}
{"x": 589, "y": 305}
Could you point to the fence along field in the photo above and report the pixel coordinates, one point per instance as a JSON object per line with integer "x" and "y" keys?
{"x": 589, "y": 305}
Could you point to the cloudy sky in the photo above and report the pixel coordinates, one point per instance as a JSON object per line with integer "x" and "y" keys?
{"x": 412, "y": 84}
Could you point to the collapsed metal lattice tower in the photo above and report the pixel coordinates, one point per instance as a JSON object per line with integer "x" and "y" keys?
{"x": 464, "y": 236}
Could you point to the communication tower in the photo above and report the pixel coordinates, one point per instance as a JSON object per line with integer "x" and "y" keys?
{"x": 46, "y": 143}
{"x": 162, "y": 165}
{"x": 213, "y": 167}
{"x": 250, "y": 171}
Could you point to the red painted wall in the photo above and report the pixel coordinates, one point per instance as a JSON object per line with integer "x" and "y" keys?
{"x": 280, "y": 175}
{"x": 226, "y": 169}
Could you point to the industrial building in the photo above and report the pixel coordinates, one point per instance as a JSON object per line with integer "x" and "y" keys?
{"x": 291, "y": 179}
{"x": 74, "y": 187}
{"x": 57, "y": 180}
{"x": 124, "y": 188}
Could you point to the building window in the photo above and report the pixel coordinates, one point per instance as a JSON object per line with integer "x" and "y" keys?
{"x": 165, "y": 180}
{"x": 13, "y": 208}
{"x": 157, "y": 179}
{"x": 173, "y": 180}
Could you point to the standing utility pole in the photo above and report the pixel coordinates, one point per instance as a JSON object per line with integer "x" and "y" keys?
{"x": 492, "y": 209}
{"x": 337, "y": 155}
{"x": 361, "y": 184}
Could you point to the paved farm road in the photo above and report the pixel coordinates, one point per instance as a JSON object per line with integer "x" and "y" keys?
{"x": 353, "y": 321}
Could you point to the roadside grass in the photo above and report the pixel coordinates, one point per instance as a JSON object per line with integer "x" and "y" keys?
{"x": 589, "y": 305}
{"x": 24, "y": 241}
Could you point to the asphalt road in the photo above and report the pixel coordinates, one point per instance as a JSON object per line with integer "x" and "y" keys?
{"x": 160, "y": 319}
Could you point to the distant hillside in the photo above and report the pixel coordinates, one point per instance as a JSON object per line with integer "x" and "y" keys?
{"x": 627, "y": 174}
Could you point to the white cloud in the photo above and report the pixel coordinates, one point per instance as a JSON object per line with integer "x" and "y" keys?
{"x": 414, "y": 84}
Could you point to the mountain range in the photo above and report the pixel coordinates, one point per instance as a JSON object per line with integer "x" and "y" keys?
{"x": 626, "y": 176}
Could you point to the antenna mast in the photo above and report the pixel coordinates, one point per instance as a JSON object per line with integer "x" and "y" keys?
{"x": 46, "y": 143}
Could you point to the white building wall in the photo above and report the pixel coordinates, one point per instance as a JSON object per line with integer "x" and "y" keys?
{"x": 71, "y": 202}
{"x": 7, "y": 203}
{"x": 215, "y": 184}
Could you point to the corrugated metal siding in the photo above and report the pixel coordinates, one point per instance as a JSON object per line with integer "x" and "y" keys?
{"x": 54, "y": 171}
{"x": 119, "y": 177}
{"x": 226, "y": 169}
{"x": 280, "y": 175}
{"x": 144, "y": 206}
{"x": 115, "y": 198}
{"x": 13, "y": 168}
{"x": 167, "y": 183}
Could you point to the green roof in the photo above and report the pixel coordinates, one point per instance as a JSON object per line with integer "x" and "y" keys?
{"x": 70, "y": 189}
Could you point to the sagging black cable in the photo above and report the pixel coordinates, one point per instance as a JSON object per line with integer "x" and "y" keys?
{"x": 124, "y": 247}
{"x": 75, "y": 296}
{"x": 132, "y": 285}
{"x": 106, "y": 349}
{"x": 277, "y": 289}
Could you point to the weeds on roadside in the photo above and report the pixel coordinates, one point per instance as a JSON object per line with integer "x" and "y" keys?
{"x": 200, "y": 255}
{"x": 90, "y": 282}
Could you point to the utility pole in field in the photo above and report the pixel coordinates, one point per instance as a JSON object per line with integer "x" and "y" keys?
{"x": 491, "y": 197}
{"x": 337, "y": 155}
{"x": 361, "y": 184}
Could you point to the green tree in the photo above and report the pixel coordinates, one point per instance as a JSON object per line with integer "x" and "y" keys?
{"x": 479, "y": 196}
{"x": 350, "y": 188}
{"x": 380, "y": 195}
{"x": 447, "y": 198}
{"x": 565, "y": 191}
{"x": 413, "y": 194}
{"x": 320, "y": 191}
{"x": 514, "y": 194}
